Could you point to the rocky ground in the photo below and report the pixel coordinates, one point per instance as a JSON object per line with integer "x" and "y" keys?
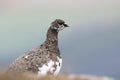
{"x": 29, "y": 76}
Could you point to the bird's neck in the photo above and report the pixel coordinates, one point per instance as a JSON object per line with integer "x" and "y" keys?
{"x": 52, "y": 40}
{"x": 52, "y": 37}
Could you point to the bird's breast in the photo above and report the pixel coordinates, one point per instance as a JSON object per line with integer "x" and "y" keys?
{"x": 52, "y": 67}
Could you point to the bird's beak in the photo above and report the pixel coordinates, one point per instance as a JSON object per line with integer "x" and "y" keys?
{"x": 65, "y": 25}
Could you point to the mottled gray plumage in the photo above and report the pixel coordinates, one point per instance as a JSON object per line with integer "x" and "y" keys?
{"x": 32, "y": 60}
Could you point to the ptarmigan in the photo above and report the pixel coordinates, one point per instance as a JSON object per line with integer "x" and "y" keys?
{"x": 45, "y": 59}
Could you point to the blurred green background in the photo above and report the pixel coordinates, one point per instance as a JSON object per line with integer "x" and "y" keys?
{"x": 91, "y": 45}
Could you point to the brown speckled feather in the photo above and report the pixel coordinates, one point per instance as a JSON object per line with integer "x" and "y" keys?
{"x": 40, "y": 56}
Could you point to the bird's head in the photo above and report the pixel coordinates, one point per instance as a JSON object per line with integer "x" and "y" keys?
{"x": 58, "y": 25}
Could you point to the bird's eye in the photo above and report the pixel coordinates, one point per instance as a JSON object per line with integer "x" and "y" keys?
{"x": 60, "y": 23}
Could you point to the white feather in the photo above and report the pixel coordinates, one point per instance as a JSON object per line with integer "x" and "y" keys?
{"x": 45, "y": 68}
{"x": 50, "y": 67}
{"x": 58, "y": 66}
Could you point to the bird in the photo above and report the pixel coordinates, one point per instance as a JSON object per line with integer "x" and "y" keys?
{"x": 44, "y": 59}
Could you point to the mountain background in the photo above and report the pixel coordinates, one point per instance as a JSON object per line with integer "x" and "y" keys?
{"x": 91, "y": 45}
